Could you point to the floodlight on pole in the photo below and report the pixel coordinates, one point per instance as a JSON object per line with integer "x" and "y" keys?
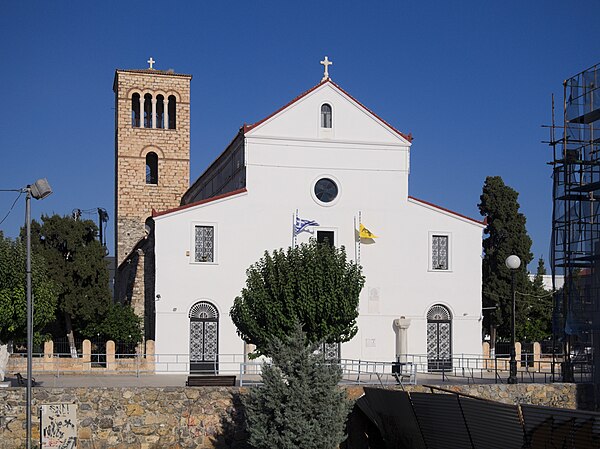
{"x": 38, "y": 190}
{"x": 512, "y": 263}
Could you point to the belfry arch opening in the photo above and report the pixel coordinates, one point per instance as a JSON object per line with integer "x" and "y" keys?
{"x": 135, "y": 110}
{"x": 147, "y": 111}
{"x": 172, "y": 110}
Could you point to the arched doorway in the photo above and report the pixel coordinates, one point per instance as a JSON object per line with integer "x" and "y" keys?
{"x": 204, "y": 338}
{"x": 439, "y": 338}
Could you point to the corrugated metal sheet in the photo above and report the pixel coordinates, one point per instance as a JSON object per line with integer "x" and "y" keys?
{"x": 399, "y": 425}
{"x": 492, "y": 425}
{"x": 547, "y": 427}
{"x": 441, "y": 421}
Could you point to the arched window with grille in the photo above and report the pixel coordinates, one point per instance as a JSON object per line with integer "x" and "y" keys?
{"x": 204, "y": 338}
{"x": 151, "y": 168}
{"x": 326, "y": 119}
{"x": 439, "y": 338}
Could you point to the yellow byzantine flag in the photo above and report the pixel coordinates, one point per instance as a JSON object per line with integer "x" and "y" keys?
{"x": 364, "y": 233}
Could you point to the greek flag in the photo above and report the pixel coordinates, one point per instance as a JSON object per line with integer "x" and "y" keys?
{"x": 301, "y": 225}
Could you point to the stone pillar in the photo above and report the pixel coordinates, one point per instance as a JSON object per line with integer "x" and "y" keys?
{"x": 110, "y": 356}
{"x": 485, "y": 350}
{"x": 141, "y": 111}
{"x": 248, "y": 349}
{"x": 48, "y": 349}
{"x": 401, "y": 326}
{"x": 48, "y": 354}
{"x": 86, "y": 351}
{"x": 150, "y": 356}
{"x": 4, "y": 357}
{"x": 537, "y": 356}
{"x": 518, "y": 354}
{"x": 166, "y": 113}
{"x": 154, "y": 113}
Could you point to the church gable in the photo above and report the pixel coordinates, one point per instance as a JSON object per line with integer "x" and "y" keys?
{"x": 327, "y": 112}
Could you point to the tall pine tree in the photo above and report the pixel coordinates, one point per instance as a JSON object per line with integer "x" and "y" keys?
{"x": 505, "y": 235}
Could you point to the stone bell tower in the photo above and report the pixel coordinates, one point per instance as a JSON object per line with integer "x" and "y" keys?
{"x": 152, "y": 170}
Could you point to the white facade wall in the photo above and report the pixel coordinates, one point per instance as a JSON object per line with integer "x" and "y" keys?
{"x": 285, "y": 156}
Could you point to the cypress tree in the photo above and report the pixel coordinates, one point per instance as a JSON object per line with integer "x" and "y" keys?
{"x": 505, "y": 235}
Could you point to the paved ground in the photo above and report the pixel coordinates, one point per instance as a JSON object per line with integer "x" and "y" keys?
{"x": 71, "y": 380}
{"x": 178, "y": 380}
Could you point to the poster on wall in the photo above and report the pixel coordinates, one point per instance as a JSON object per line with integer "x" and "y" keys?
{"x": 59, "y": 426}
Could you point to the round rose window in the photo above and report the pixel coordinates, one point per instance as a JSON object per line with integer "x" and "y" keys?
{"x": 326, "y": 190}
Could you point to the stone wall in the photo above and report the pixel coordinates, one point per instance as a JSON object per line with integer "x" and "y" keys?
{"x": 209, "y": 417}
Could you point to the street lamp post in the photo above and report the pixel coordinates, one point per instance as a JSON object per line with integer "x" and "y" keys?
{"x": 40, "y": 190}
{"x": 512, "y": 263}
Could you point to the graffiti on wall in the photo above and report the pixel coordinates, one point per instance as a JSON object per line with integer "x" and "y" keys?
{"x": 59, "y": 426}
{"x": 7, "y": 415}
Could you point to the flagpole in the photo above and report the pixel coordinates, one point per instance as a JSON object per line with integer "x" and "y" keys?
{"x": 294, "y": 218}
{"x": 359, "y": 223}
{"x": 355, "y": 241}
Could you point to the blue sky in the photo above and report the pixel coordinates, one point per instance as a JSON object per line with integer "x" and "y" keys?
{"x": 471, "y": 80}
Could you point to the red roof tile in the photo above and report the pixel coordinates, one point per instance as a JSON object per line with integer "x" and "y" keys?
{"x": 197, "y": 203}
{"x": 448, "y": 210}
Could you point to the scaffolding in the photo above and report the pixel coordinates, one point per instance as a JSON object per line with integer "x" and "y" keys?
{"x": 575, "y": 246}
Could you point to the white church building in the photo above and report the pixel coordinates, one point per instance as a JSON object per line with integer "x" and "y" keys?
{"x": 323, "y": 157}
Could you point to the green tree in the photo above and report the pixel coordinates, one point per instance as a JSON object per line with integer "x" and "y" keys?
{"x": 538, "y": 309}
{"x": 300, "y": 404}
{"x": 13, "y": 296}
{"x": 77, "y": 266}
{"x": 313, "y": 284}
{"x": 506, "y": 235}
{"x": 120, "y": 324}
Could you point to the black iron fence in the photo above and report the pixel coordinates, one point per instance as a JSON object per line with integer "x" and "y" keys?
{"x": 62, "y": 348}
{"x": 20, "y": 347}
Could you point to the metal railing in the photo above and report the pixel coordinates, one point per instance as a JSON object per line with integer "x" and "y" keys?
{"x": 464, "y": 368}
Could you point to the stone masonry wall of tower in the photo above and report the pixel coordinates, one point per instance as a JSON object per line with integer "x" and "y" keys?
{"x": 134, "y": 198}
